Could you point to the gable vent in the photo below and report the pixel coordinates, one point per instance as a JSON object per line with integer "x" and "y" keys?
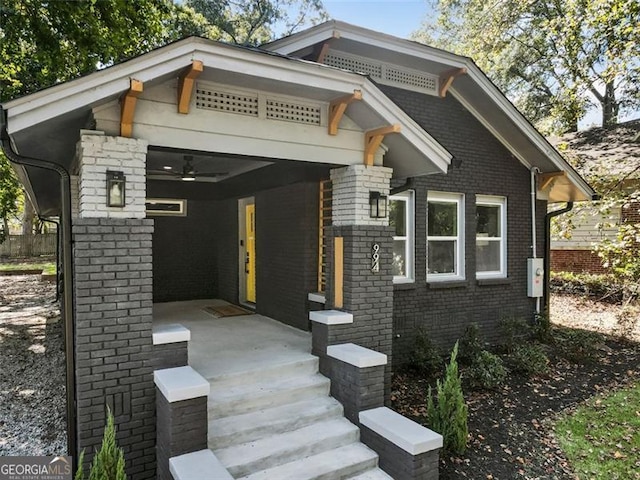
{"x": 384, "y": 73}
{"x": 227, "y": 102}
{"x": 293, "y": 112}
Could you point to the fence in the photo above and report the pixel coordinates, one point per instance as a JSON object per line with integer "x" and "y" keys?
{"x": 28, "y": 245}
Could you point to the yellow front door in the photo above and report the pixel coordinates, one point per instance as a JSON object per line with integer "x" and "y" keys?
{"x": 250, "y": 262}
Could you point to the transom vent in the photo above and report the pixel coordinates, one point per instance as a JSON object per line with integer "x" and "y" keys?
{"x": 257, "y": 104}
{"x": 390, "y": 74}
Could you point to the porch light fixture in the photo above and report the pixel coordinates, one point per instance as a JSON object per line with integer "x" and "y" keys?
{"x": 377, "y": 205}
{"x": 116, "y": 182}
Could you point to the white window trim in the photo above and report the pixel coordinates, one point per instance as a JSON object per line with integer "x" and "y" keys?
{"x": 181, "y": 212}
{"x": 457, "y": 198}
{"x": 408, "y": 197}
{"x": 491, "y": 200}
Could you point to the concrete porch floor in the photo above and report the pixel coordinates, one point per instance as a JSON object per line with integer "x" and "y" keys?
{"x": 232, "y": 345}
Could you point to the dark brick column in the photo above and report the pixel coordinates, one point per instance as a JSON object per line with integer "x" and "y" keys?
{"x": 114, "y": 351}
{"x": 368, "y": 295}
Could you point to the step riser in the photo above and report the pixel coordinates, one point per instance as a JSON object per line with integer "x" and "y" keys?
{"x": 259, "y": 400}
{"x": 289, "y": 455}
{"x": 281, "y": 425}
{"x": 307, "y": 366}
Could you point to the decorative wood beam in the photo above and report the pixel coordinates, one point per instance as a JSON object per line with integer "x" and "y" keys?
{"x": 337, "y": 108}
{"x": 546, "y": 179}
{"x": 185, "y": 85}
{"x": 373, "y": 139}
{"x": 128, "y": 107}
{"x": 323, "y": 52}
{"x": 447, "y": 78}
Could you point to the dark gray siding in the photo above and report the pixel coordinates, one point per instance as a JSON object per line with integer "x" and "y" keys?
{"x": 487, "y": 168}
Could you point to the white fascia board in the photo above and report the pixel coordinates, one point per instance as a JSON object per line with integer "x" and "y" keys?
{"x": 55, "y": 101}
{"x": 413, "y": 132}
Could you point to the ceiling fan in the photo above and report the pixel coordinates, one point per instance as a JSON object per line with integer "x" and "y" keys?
{"x": 188, "y": 172}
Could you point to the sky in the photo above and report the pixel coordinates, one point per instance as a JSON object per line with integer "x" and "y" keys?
{"x": 399, "y": 18}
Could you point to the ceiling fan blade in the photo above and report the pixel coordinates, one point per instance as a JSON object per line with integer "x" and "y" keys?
{"x": 162, "y": 172}
{"x": 211, "y": 174}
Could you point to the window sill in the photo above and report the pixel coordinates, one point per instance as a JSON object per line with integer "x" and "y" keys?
{"x": 485, "y": 282}
{"x": 448, "y": 284}
{"x": 404, "y": 285}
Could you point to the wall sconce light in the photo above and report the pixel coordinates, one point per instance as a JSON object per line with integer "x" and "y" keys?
{"x": 377, "y": 205}
{"x": 116, "y": 182}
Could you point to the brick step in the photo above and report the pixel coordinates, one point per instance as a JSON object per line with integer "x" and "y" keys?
{"x": 275, "y": 450}
{"x": 238, "y": 399}
{"x": 333, "y": 464}
{"x": 251, "y": 426}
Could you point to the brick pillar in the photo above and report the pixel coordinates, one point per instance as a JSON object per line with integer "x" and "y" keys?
{"x": 113, "y": 304}
{"x": 367, "y": 294}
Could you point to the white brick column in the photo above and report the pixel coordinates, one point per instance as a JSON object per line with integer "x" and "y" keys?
{"x": 351, "y": 188}
{"x": 97, "y": 153}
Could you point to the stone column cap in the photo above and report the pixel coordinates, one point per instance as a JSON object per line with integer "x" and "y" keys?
{"x": 172, "y": 333}
{"x": 356, "y": 355}
{"x": 406, "y": 434}
{"x": 181, "y": 383}
{"x": 198, "y": 465}
{"x": 330, "y": 317}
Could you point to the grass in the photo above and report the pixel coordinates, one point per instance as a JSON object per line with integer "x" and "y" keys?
{"x": 601, "y": 439}
{"x": 46, "y": 267}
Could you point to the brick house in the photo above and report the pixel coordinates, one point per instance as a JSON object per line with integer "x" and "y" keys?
{"x": 337, "y": 169}
{"x": 609, "y": 153}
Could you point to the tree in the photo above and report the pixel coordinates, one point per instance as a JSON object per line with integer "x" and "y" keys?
{"x": 252, "y": 22}
{"x": 555, "y": 59}
{"x": 10, "y": 192}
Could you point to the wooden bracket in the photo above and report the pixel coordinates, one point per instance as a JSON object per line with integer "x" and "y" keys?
{"x": 337, "y": 108}
{"x": 546, "y": 179}
{"x": 128, "y": 107}
{"x": 447, "y": 78}
{"x": 185, "y": 85}
{"x": 373, "y": 139}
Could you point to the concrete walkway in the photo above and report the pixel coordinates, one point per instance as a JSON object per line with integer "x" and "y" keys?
{"x": 231, "y": 345}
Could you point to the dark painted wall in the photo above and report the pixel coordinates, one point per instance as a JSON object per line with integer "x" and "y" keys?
{"x": 286, "y": 251}
{"x": 487, "y": 168}
{"x": 227, "y": 245}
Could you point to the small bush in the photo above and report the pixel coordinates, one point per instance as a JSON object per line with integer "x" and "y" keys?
{"x": 602, "y": 287}
{"x": 578, "y": 346}
{"x": 541, "y": 329}
{"x": 425, "y": 357}
{"x": 528, "y": 359}
{"x": 627, "y": 321}
{"x": 108, "y": 463}
{"x": 514, "y": 332}
{"x": 448, "y": 415}
{"x": 471, "y": 345}
{"x": 486, "y": 372}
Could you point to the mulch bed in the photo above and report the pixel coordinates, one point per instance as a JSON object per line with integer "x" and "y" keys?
{"x": 511, "y": 429}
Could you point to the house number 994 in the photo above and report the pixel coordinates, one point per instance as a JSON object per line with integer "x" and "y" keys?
{"x": 375, "y": 258}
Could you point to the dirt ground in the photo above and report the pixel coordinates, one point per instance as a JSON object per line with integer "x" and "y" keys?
{"x": 511, "y": 429}
{"x": 32, "y": 378}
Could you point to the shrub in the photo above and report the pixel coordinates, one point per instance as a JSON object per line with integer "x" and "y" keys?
{"x": 528, "y": 359}
{"x": 425, "y": 357}
{"x": 578, "y": 346}
{"x": 603, "y": 287}
{"x": 108, "y": 463}
{"x": 487, "y": 371}
{"x": 471, "y": 345}
{"x": 514, "y": 331}
{"x": 448, "y": 414}
{"x": 541, "y": 329}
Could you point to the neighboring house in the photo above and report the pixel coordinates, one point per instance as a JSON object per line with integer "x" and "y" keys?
{"x": 612, "y": 155}
{"x": 289, "y": 155}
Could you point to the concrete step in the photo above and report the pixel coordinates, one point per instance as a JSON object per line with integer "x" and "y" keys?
{"x": 236, "y": 429}
{"x": 238, "y": 399}
{"x": 273, "y": 451}
{"x": 333, "y": 464}
{"x": 374, "y": 474}
{"x": 305, "y": 364}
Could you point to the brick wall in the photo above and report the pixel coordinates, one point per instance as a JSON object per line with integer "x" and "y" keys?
{"x": 99, "y": 153}
{"x": 227, "y": 244}
{"x": 113, "y": 337}
{"x": 489, "y": 169}
{"x": 576, "y": 261}
{"x": 286, "y": 251}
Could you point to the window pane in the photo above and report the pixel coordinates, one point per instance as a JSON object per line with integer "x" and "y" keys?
{"x": 488, "y": 220}
{"x": 397, "y": 217}
{"x": 441, "y": 256}
{"x": 443, "y": 219}
{"x": 399, "y": 265}
{"x": 488, "y": 255}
